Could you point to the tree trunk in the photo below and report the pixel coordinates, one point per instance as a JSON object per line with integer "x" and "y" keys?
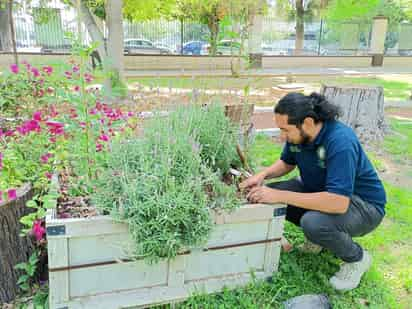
{"x": 300, "y": 27}
{"x": 213, "y": 26}
{"x": 95, "y": 32}
{"x": 6, "y": 43}
{"x": 13, "y": 248}
{"x": 114, "y": 22}
{"x": 362, "y": 109}
{"x": 12, "y": 32}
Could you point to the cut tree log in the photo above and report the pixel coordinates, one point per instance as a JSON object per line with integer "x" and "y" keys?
{"x": 13, "y": 248}
{"x": 362, "y": 109}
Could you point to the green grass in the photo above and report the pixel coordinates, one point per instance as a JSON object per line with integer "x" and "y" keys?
{"x": 206, "y": 82}
{"x": 387, "y": 285}
{"x": 393, "y": 90}
{"x": 399, "y": 140}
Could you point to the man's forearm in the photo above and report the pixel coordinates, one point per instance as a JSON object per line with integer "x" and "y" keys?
{"x": 320, "y": 201}
{"x": 278, "y": 169}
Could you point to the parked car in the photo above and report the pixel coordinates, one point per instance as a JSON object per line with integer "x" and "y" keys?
{"x": 142, "y": 46}
{"x": 193, "y": 48}
{"x": 165, "y": 46}
{"x": 227, "y": 47}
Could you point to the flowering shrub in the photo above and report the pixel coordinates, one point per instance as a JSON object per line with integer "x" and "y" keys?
{"x": 72, "y": 133}
{"x": 26, "y": 87}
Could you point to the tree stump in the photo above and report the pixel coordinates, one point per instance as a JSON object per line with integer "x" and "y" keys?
{"x": 14, "y": 249}
{"x": 362, "y": 109}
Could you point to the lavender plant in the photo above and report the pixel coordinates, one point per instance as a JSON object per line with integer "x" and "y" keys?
{"x": 164, "y": 183}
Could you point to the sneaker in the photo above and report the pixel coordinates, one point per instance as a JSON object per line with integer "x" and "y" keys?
{"x": 310, "y": 247}
{"x": 350, "y": 274}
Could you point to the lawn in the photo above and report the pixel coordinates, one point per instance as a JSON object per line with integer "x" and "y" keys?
{"x": 393, "y": 90}
{"x": 399, "y": 142}
{"x": 388, "y": 284}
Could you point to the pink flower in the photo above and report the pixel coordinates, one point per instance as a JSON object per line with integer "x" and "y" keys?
{"x": 76, "y": 68}
{"x": 35, "y": 72}
{"x": 53, "y": 112}
{"x": 48, "y": 175}
{"x": 14, "y": 68}
{"x": 99, "y": 147}
{"x": 88, "y": 77}
{"x": 82, "y": 124}
{"x": 49, "y": 90}
{"x": 37, "y": 116}
{"x": 68, "y": 74}
{"x": 29, "y": 126}
{"x": 104, "y": 138}
{"x": 11, "y": 194}
{"x": 130, "y": 114}
{"x": 40, "y": 93}
{"x": 52, "y": 139}
{"x": 76, "y": 88}
{"x": 38, "y": 230}
{"x": 56, "y": 128}
{"x": 48, "y": 70}
{"x": 9, "y": 133}
{"x": 93, "y": 111}
{"x": 45, "y": 158}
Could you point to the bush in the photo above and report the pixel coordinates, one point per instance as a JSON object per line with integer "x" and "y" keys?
{"x": 164, "y": 183}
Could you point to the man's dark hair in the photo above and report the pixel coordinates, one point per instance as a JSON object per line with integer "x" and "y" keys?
{"x": 298, "y": 106}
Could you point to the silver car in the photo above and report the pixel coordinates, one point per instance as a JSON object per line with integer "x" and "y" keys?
{"x": 141, "y": 46}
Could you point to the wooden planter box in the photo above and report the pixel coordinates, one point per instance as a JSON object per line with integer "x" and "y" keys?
{"x": 89, "y": 269}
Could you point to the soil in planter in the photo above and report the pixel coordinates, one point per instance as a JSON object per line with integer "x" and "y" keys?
{"x": 69, "y": 206}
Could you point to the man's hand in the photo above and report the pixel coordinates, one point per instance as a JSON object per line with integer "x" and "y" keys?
{"x": 264, "y": 195}
{"x": 253, "y": 181}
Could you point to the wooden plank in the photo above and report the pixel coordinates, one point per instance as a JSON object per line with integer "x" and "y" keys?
{"x": 58, "y": 281}
{"x": 142, "y": 298}
{"x": 117, "y": 277}
{"x": 100, "y": 225}
{"x": 246, "y": 213}
{"x": 99, "y": 248}
{"x": 202, "y": 265}
{"x": 176, "y": 275}
{"x": 227, "y": 234}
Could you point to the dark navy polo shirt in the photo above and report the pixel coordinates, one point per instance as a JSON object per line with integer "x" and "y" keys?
{"x": 336, "y": 162}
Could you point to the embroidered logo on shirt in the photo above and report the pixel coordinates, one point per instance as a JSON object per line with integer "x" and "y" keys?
{"x": 294, "y": 148}
{"x": 321, "y": 152}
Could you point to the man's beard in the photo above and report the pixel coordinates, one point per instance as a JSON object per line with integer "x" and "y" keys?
{"x": 305, "y": 138}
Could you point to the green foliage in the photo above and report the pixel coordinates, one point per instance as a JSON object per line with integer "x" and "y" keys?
{"x": 30, "y": 88}
{"x": 27, "y": 283}
{"x": 26, "y": 280}
{"x": 341, "y": 10}
{"x": 164, "y": 183}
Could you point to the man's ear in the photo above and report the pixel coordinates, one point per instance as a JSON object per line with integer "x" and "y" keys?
{"x": 308, "y": 122}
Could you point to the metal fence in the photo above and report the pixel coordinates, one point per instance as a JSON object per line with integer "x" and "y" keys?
{"x": 278, "y": 37}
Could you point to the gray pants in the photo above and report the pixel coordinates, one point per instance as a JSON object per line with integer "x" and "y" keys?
{"x": 333, "y": 231}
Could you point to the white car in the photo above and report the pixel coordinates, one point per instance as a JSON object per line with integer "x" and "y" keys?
{"x": 142, "y": 46}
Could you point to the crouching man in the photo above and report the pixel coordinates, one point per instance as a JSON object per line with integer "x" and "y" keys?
{"x": 338, "y": 194}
